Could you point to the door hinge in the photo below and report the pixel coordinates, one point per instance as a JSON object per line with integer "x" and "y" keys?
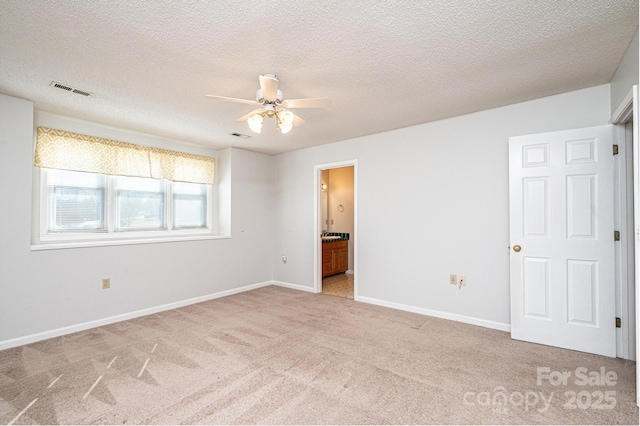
{"x": 616, "y": 235}
{"x": 618, "y": 323}
{"x": 615, "y": 149}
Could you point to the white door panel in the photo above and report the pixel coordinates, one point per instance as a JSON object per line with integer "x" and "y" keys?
{"x": 561, "y": 215}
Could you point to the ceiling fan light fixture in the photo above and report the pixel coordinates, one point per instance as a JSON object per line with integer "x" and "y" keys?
{"x": 285, "y": 128}
{"x": 285, "y": 120}
{"x": 286, "y": 117}
{"x": 255, "y": 123}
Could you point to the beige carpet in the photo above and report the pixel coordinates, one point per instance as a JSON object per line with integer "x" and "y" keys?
{"x": 277, "y": 356}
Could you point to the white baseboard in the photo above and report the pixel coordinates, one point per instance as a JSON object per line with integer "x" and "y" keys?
{"x": 25, "y": 340}
{"x": 293, "y": 286}
{"x": 438, "y": 314}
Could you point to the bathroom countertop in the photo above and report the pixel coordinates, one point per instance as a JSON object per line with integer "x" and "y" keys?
{"x": 344, "y": 236}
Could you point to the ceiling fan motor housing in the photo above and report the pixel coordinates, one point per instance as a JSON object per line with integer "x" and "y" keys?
{"x": 261, "y": 100}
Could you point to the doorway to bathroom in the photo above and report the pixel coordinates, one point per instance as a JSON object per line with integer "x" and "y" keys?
{"x": 336, "y": 229}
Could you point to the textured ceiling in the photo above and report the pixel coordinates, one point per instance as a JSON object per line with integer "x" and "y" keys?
{"x": 385, "y": 65}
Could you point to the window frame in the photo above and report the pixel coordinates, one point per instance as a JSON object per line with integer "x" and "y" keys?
{"x": 113, "y": 236}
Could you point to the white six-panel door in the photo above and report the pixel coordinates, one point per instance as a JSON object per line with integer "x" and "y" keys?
{"x": 562, "y": 239}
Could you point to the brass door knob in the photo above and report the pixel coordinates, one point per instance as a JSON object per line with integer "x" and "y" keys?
{"x": 517, "y": 248}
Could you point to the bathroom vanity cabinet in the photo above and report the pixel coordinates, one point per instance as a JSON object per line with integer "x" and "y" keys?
{"x": 335, "y": 257}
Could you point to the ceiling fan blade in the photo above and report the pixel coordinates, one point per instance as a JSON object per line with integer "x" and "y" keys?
{"x": 307, "y": 103}
{"x": 269, "y": 87}
{"x": 225, "y": 98}
{"x": 297, "y": 121}
{"x": 246, "y": 117}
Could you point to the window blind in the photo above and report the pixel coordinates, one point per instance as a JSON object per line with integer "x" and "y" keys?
{"x": 59, "y": 149}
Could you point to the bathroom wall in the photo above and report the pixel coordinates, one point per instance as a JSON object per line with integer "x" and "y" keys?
{"x": 324, "y": 195}
{"x": 341, "y": 207}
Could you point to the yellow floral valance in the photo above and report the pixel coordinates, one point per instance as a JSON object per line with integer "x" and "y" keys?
{"x": 59, "y": 149}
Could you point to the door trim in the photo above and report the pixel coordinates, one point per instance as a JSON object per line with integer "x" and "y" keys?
{"x": 636, "y": 214}
{"x": 625, "y": 267}
{"x": 625, "y": 112}
{"x": 317, "y": 223}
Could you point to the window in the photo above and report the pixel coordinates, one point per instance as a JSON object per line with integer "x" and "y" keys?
{"x": 76, "y": 201}
{"x": 189, "y": 205}
{"x": 140, "y": 203}
{"x": 85, "y": 205}
{"x": 94, "y": 189}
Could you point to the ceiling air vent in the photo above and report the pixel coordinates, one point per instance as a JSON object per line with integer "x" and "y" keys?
{"x": 240, "y": 135}
{"x": 70, "y": 89}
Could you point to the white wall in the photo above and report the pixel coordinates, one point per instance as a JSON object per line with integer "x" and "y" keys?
{"x": 433, "y": 200}
{"x": 341, "y": 194}
{"x": 626, "y": 75}
{"x": 47, "y": 290}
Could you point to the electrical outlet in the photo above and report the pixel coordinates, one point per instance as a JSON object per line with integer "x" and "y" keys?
{"x": 462, "y": 280}
{"x": 453, "y": 279}
{"x": 284, "y": 259}
{"x": 106, "y": 283}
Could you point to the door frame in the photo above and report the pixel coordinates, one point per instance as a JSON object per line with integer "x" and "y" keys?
{"x": 630, "y": 264}
{"x": 624, "y": 249}
{"x": 317, "y": 223}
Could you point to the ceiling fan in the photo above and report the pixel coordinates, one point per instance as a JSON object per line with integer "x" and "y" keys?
{"x": 273, "y": 106}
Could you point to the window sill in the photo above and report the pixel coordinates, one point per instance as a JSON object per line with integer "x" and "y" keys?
{"x": 104, "y": 243}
